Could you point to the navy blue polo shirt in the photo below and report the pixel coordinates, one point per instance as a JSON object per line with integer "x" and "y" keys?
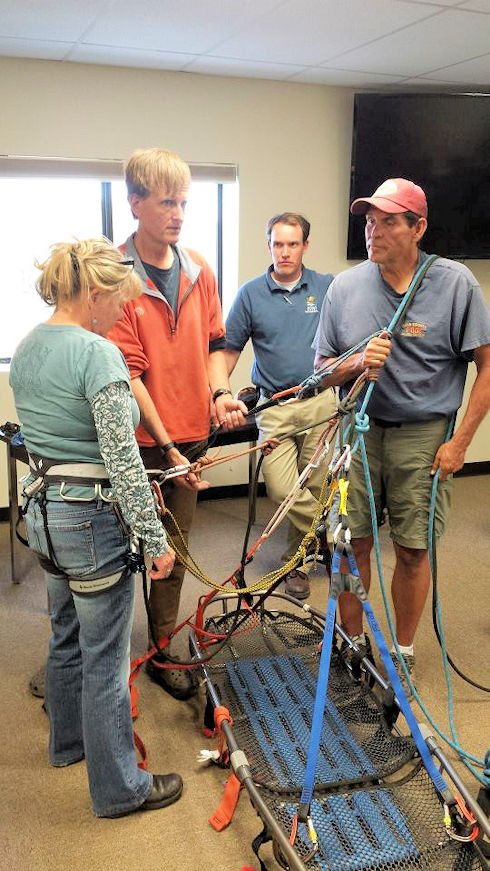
{"x": 281, "y": 324}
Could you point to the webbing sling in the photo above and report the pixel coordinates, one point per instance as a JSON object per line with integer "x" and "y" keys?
{"x": 434, "y": 773}
{"x": 352, "y": 583}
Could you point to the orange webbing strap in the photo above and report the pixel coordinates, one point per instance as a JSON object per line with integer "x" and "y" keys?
{"x": 220, "y": 714}
{"x": 133, "y": 694}
{"x": 140, "y": 747}
{"x": 223, "y": 815}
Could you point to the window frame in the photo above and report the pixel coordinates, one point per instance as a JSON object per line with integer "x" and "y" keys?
{"x": 107, "y": 171}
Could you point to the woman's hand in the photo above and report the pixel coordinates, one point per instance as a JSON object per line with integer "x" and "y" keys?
{"x": 190, "y": 481}
{"x": 162, "y": 565}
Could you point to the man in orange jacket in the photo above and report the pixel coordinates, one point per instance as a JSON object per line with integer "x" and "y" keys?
{"x": 172, "y": 338}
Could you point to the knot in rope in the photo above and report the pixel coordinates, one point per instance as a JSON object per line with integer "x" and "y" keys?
{"x": 362, "y": 422}
{"x": 346, "y": 405}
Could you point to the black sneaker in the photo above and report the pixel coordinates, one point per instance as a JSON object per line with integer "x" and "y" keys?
{"x": 181, "y": 683}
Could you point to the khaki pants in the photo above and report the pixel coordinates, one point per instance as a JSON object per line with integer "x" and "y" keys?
{"x": 283, "y": 466}
{"x": 165, "y": 594}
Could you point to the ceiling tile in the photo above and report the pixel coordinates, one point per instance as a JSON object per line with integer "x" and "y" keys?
{"x": 47, "y": 19}
{"x": 435, "y": 85}
{"x": 475, "y": 70}
{"x": 319, "y": 30}
{"x": 451, "y": 37}
{"x": 42, "y": 50}
{"x": 222, "y": 66}
{"x": 349, "y": 78}
{"x": 174, "y": 25}
{"x": 477, "y": 6}
{"x": 129, "y": 57}
{"x": 438, "y": 2}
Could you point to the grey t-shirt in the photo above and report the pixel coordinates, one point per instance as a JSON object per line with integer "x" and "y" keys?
{"x": 166, "y": 280}
{"x": 424, "y": 375}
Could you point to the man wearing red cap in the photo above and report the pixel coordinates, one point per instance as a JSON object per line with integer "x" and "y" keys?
{"x": 420, "y": 374}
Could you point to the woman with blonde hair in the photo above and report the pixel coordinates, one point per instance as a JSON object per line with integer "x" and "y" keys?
{"x": 87, "y": 494}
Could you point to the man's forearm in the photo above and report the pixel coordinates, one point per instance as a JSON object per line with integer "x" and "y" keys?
{"x": 478, "y": 402}
{"x": 347, "y": 371}
{"x": 218, "y": 371}
{"x": 231, "y": 359}
{"x": 149, "y": 415}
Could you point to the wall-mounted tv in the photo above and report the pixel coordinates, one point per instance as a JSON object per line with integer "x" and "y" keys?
{"x": 439, "y": 141}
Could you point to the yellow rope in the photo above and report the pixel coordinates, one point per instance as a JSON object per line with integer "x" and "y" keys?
{"x": 181, "y": 549}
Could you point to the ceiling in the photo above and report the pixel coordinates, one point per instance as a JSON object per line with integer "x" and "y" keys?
{"x": 416, "y": 44}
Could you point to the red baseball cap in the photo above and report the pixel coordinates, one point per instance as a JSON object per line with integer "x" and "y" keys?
{"x": 394, "y": 196}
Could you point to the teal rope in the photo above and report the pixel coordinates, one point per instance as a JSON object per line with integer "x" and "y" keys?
{"x": 361, "y": 426}
{"x": 403, "y": 306}
{"x": 465, "y": 757}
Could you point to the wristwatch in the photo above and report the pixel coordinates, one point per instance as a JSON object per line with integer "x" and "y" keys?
{"x": 221, "y": 392}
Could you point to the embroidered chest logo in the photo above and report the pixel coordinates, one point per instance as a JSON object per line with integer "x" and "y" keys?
{"x": 413, "y": 329}
{"x": 139, "y": 311}
{"x": 311, "y": 306}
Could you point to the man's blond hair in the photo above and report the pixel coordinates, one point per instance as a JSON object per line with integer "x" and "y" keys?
{"x": 149, "y": 169}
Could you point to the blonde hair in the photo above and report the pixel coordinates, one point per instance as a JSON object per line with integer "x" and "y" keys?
{"x": 149, "y": 169}
{"x": 73, "y": 268}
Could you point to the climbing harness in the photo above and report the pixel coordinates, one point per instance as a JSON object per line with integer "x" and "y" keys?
{"x": 47, "y": 473}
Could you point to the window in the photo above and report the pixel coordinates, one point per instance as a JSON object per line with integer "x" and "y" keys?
{"x": 53, "y": 201}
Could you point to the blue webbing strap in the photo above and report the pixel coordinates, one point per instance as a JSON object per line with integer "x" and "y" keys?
{"x": 435, "y": 775}
{"x": 352, "y": 583}
{"x": 318, "y": 709}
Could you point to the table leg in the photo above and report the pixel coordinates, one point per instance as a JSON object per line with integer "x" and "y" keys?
{"x": 13, "y": 509}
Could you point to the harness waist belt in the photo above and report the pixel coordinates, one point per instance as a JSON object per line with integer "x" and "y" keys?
{"x": 73, "y": 473}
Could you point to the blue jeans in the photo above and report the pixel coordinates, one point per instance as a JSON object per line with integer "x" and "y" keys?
{"x": 87, "y": 694}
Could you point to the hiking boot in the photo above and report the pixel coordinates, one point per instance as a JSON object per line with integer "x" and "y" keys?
{"x": 181, "y": 683}
{"x": 409, "y": 661}
{"x": 166, "y": 789}
{"x": 297, "y": 584}
{"x": 353, "y": 659}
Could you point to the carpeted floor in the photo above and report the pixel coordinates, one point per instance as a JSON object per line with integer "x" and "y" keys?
{"x": 46, "y": 821}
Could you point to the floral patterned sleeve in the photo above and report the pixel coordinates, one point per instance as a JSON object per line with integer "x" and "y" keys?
{"x": 111, "y": 408}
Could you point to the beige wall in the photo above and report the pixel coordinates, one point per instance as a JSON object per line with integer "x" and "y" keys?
{"x": 291, "y": 142}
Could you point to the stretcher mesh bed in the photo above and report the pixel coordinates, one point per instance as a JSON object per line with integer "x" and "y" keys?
{"x": 374, "y": 806}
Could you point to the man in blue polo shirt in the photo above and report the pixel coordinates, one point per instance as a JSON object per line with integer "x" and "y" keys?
{"x": 279, "y": 312}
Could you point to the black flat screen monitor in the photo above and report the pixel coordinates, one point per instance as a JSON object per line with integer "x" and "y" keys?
{"x": 439, "y": 141}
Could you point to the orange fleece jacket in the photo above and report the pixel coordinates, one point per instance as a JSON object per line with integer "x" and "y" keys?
{"x": 171, "y": 356}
